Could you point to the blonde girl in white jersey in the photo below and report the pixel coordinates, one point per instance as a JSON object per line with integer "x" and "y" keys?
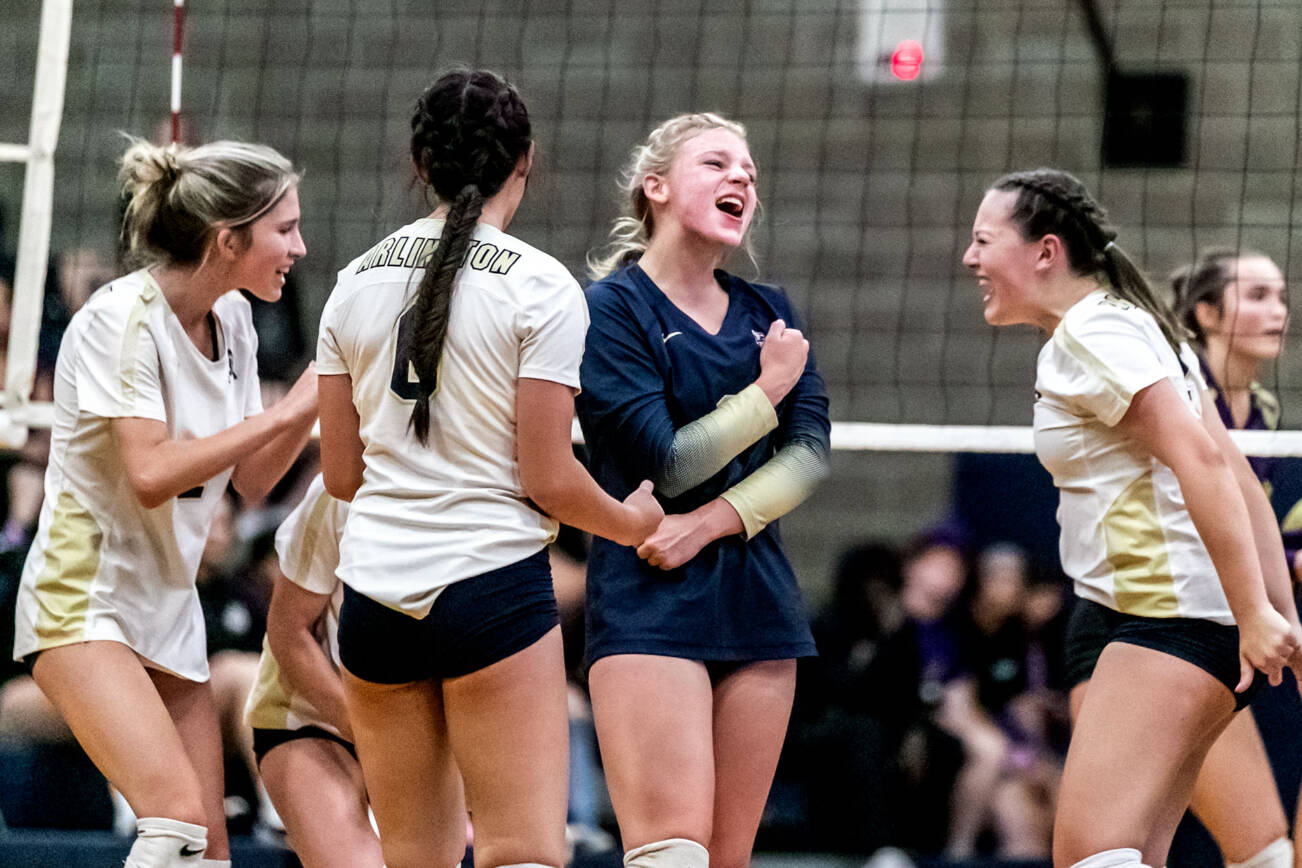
{"x": 156, "y": 410}
{"x": 1164, "y": 526}
{"x": 450, "y": 358}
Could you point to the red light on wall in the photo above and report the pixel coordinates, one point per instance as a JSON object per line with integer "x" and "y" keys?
{"x": 906, "y": 62}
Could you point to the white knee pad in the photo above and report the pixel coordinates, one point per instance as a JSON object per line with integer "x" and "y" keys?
{"x": 1276, "y": 854}
{"x": 164, "y": 843}
{"x": 670, "y": 853}
{"x": 1122, "y": 857}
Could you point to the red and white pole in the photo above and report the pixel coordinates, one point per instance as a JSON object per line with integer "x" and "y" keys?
{"x": 178, "y": 30}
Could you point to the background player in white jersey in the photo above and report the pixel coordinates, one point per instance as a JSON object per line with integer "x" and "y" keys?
{"x": 451, "y": 352}
{"x": 301, "y": 733}
{"x": 156, "y": 410}
{"x": 1164, "y": 525}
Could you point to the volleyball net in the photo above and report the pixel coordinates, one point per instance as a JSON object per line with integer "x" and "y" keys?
{"x": 876, "y": 126}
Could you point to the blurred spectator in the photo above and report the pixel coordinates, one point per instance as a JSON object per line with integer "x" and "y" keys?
{"x": 996, "y": 642}
{"x": 839, "y": 759}
{"x": 81, "y": 271}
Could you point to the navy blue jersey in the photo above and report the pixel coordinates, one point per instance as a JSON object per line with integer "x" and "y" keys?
{"x": 649, "y": 369}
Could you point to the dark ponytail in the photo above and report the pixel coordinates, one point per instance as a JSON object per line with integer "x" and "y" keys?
{"x": 469, "y": 132}
{"x": 1053, "y": 202}
{"x": 1204, "y": 281}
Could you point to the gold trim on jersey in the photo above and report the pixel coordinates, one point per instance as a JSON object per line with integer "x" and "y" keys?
{"x": 131, "y": 339}
{"x": 1142, "y": 583}
{"x": 71, "y": 562}
{"x": 307, "y": 540}
{"x": 1097, "y": 366}
{"x": 1268, "y": 404}
{"x": 270, "y": 705}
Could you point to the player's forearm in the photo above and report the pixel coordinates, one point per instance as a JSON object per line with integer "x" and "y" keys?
{"x": 309, "y": 672}
{"x": 159, "y": 471}
{"x": 1275, "y": 570}
{"x": 568, "y": 494}
{"x": 703, "y": 447}
{"x": 1216, "y": 506}
{"x": 778, "y": 486}
{"x": 257, "y": 474}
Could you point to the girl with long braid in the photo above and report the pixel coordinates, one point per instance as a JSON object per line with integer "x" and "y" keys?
{"x": 450, "y": 358}
{"x": 1165, "y": 528}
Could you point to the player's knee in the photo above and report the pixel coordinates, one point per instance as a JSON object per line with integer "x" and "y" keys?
{"x": 520, "y": 854}
{"x": 1120, "y": 857}
{"x": 1081, "y": 851}
{"x": 1276, "y": 854}
{"x": 162, "y": 842}
{"x": 670, "y": 853}
{"x": 411, "y": 854}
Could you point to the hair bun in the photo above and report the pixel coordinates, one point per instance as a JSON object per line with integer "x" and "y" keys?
{"x": 146, "y": 165}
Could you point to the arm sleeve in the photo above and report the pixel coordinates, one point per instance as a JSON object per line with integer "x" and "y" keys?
{"x": 778, "y": 486}
{"x": 783, "y": 482}
{"x": 117, "y": 367}
{"x": 1105, "y": 358}
{"x": 702, "y": 448}
{"x": 624, "y": 399}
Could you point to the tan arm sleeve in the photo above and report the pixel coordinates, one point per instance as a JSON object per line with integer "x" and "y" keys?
{"x": 779, "y": 485}
{"x": 702, "y": 448}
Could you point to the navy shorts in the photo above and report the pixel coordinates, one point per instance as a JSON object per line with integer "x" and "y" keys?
{"x": 1212, "y": 647}
{"x": 473, "y": 624}
{"x": 265, "y": 739}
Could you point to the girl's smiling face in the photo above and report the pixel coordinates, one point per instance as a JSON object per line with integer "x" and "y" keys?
{"x": 709, "y": 189}
{"x": 1002, "y": 261}
{"x": 274, "y": 245}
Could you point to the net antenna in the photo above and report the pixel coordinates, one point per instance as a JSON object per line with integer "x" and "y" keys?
{"x": 16, "y": 410}
{"x": 178, "y": 31}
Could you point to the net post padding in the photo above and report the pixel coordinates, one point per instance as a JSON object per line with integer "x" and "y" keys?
{"x": 37, "y": 210}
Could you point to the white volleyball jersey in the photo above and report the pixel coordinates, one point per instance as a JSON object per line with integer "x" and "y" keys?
{"x": 426, "y": 516}
{"x": 102, "y": 566}
{"x": 308, "y": 545}
{"x": 1127, "y": 539}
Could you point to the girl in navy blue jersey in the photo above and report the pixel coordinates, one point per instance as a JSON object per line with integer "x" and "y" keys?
{"x": 699, "y": 381}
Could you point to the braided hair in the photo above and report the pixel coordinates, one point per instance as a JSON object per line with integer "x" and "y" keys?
{"x": 1053, "y": 202}
{"x": 1204, "y": 281}
{"x": 468, "y": 133}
